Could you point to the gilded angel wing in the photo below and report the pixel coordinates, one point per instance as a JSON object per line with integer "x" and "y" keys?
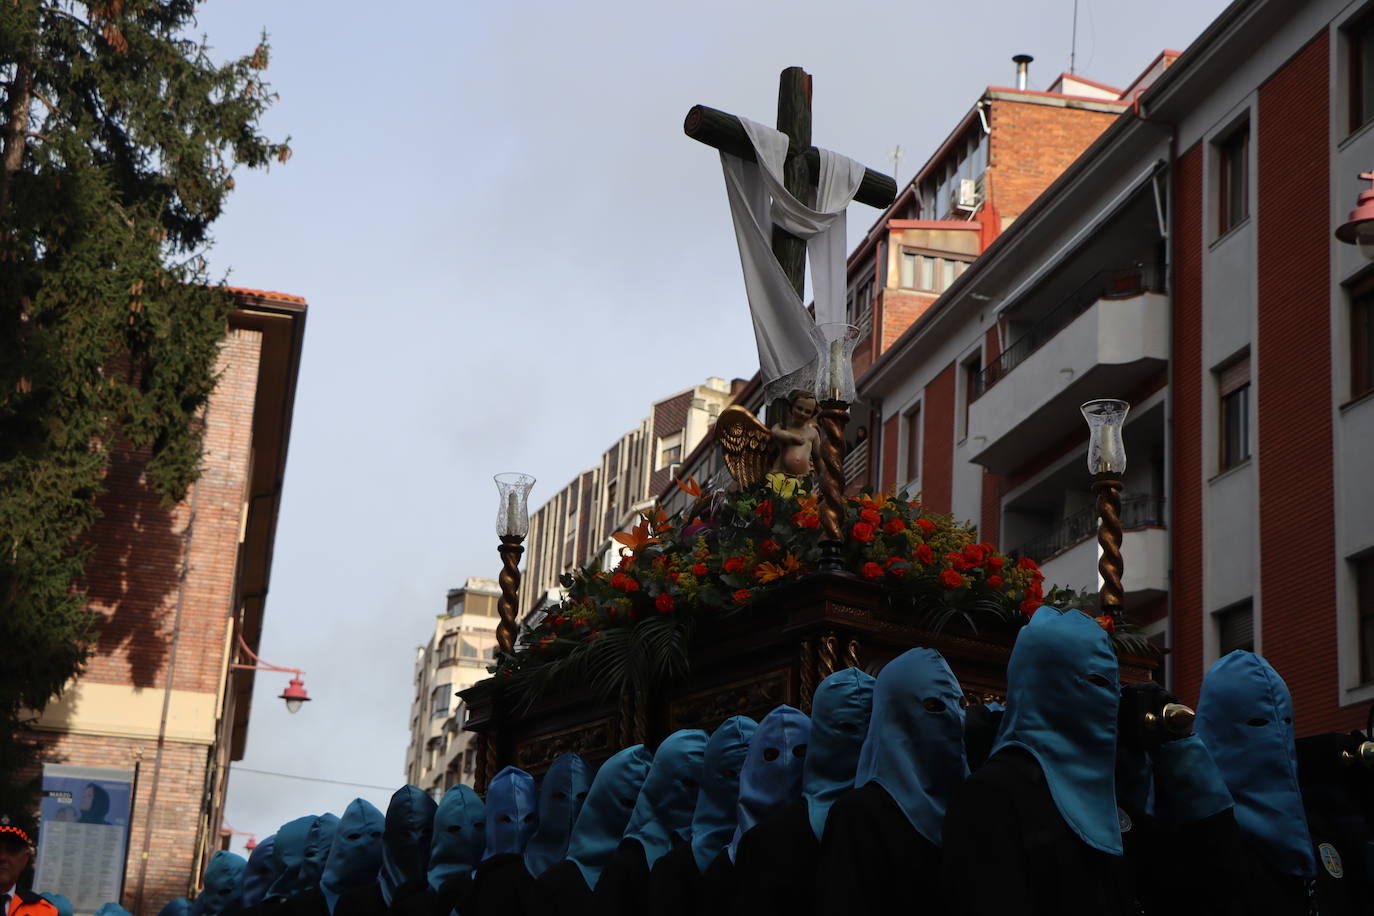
{"x": 746, "y": 444}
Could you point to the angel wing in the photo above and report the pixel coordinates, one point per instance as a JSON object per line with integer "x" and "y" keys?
{"x": 746, "y": 444}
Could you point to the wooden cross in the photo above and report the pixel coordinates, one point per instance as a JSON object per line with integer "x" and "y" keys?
{"x": 725, "y": 132}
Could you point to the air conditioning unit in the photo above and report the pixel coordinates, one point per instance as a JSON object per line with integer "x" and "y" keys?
{"x": 964, "y": 195}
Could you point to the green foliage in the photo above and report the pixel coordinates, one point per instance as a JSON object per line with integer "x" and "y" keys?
{"x": 118, "y": 137}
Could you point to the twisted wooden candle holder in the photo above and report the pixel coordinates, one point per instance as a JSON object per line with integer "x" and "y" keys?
{"x": 1112, "y": 594}
{"x": 833, "y": 417}
{"x": 510, "y": 551}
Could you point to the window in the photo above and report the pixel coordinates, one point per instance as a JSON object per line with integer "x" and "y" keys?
{"x": 1233, "y": 199}
{"x": 1362, "y": 342}
{"x": 456, "y": 608}
{"x": 448, "y": 648}
{"x": 438, "y": 701}
{"x": 1233, "y": 386}
{"x": 610, "y": 496}
{"x": 913, "y": 444}
{"x": 859, "y": 306}
{"x": 670, "y": 455}
{"x": 1364, "y": 604}
{"x": 972, "y": 370}
{"x": 1361, "y": 38}
{"x": 1236, "y": 628}
{"x": 929, "y": 273}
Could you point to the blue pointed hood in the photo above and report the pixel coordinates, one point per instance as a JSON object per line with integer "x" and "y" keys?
{"x": 289, "y": 856}
{"x": 112, "y": 909}
{"x": 355, "y": 856}
{"x": 459, "y": 837}
{"x": 512, "y": 812}
{"x": 713, "y": 821}
{"x": 177, "y": 906}
{"x": 257, "y": 877}
{"x": 63, "y": 904}
{"x": 223, "y": 876}
{"x": 1245, "y": 719}
{"x": 1062, "y": 704}
{"x": 317, "y": 844}
{"x": 840, "y": 712}
{"x": 663, "y": 811}
{"x": 606, "y": 812}
{"x": 772, "y": 774}
{"x": 561, "y": 795}
{"x": 406, "y": 835}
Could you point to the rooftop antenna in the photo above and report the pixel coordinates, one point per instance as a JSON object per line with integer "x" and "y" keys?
{"x": 896, "y": 157}
{"x": 1073, "y": 41}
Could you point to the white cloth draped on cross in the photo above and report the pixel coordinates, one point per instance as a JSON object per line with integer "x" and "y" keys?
{"x": 758, "y": 201}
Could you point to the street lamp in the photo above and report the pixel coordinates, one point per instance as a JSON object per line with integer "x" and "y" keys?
{"x": 1107, "y": 464}
{"x": 294, "y": 694}
{"x": 1359, "y": 228}
{"x": 834, "y": 392}
{"x": 512, "y": 524}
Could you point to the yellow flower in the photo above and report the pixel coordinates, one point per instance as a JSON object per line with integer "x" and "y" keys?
{"x": 783, "y": 484}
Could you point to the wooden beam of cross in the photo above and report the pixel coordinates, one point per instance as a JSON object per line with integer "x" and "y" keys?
{"x": 725, "y": 132}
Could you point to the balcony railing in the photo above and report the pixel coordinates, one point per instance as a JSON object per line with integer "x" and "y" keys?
{"x": 856, "y": 464}
{"x": 1109, "y": 284}
{"x": 1136, "y": 512}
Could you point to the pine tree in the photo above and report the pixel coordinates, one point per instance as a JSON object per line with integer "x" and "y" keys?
{"x": 118, "y": 139}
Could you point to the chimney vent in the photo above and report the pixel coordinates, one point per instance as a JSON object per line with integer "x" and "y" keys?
{"x": 1022, "y": 62}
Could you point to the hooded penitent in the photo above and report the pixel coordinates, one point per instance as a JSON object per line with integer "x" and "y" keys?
{"x": 355, "y": 856}
{"x": 772, "y": 774}
{"x": 1062, "y": 701}
{"x": 459, "y": 837}
{"x": 257, "y": 877}
{"x": 512, "y": 812}
{"x": 112, "y": 909}
{"x": 603, "y": 817}
{"x": 914, "y": 748}
{"x": 317, "y": 844}
{"x": 406, "y": 838}
{"x": 713, "y": 821}
{"x": 840, "y": 711}
{"x": 663, "y": 811}
{"x": 1245, "y": 718}
{"x": 560, "y": 799}
{"x": 288, "y": 857}
{"x": 223, "y": 877}
{"x": 64, "y": 904}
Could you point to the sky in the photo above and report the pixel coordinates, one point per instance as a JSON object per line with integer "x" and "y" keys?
{"x": 510, "y": 249}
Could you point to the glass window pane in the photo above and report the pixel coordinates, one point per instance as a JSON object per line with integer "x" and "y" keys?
{"x": 1364, "y": 51}
{"x": 946, "y": 273}
{"x": 927, "y": 274}
{"x": 908, "y": 280}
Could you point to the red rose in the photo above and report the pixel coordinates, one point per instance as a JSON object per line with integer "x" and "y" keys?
{"x": 768, "y": 547}
{"x": 872, "y": 571}
{"x": 698, "y": 569}
{"x": 894, "y": 526}
{"x": 631, "y": 585}
{"x": 924, "y": 554}
{"x": 1035, "y": 591}
{"x": 674, "y": 576}
{"x": 995, "y": 581}
{"x": 807, "y": 520}
{"x": 612, "y": 612}
{"x": 1030, "y": 606}
{"x": 955, "y": 560}
{"x": 973, "y": 555}
{"x": 618, "y": 581}
{"x": 764, "y": 510}
{"x": 863, "y": 532}
{"x": 734, "y": 564}
{"x": 1026, "y": 563}
{"x": 626, "y": 563}
{"x": 894, "y": 568}
{"x": 742, "y": 596}
{"x": 664, "y": 603}
{"x": 926, "y": 525}
{"x": 995, "y": 563}
{"x": 951, "y": 579}
{"x": 1107, "y": 623}
{"x": 870, "y": 515}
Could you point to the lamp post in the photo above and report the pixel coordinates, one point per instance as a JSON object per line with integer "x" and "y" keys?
{"x": 512, "y": 524}
{"x": 834, "y": 391}
{"x": 1358, "y": 229}
{"x": 1107, "y": 464}
{"x": 294, "y": 694}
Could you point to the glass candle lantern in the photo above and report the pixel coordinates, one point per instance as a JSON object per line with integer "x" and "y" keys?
{"x": 513, "y": 512}
{"x": 1106, "y": 450}
{"x": 835, "y": 361}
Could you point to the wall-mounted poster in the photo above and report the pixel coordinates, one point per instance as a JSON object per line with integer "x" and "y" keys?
{"x": 83, "y": 834}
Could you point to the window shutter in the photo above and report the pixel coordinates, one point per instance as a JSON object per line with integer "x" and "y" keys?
{"x": 1236, "y": 375}
{"x": 1236, "y": 628}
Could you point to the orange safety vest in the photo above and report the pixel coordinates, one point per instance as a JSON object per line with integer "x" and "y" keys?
{"x": 28, "y": 903}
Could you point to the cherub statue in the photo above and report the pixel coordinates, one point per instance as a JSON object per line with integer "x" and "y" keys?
{"x": 796, "y": 436}
{"x": 753, "y": 451}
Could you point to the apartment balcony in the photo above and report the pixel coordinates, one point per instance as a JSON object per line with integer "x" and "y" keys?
{"x": 1103, "y": 341}
{"x": 1068, "y": 554}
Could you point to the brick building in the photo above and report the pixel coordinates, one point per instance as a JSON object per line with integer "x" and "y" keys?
{"x": 575, "y": 525}
{"x": 171, "y": 590}
{"x": 440, "y": 753}
{"x": 1186, "y": 263}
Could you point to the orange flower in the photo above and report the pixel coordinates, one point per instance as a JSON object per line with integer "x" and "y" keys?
{"x": 769, "y": 572}
{"x": 1107, "y": 623}
{"x": 637, "y": 538}
{"x": 734, "y": 564}
{"x": 691, "y": 487}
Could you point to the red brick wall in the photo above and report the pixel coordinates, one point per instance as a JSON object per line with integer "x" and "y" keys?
{"x": 670, "y": 416}
{"x": 1294, "y": 377}
{"x": 900, "y": 309}
{"x": 937, "y": 452}
{"x": 1185, "y": 497}
{"x": 1032, "y": 145}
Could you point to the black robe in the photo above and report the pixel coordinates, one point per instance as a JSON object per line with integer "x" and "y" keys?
{"x": 306, "y": 903}
{"x": 1007, "y": 851}
{"x": 502, "y": 886}
{"x": 675, "y": 883}
{"x": 776, "y": 862}
{"x": 562, "y": 891}
{"x": 871, "y": 859}
{"x": 623, "y": 888}
{"x": 366, "y": 900}
{"x": 719, "y": 887}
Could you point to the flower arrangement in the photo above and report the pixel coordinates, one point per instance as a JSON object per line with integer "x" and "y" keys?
{"x": 730, "y": 551}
